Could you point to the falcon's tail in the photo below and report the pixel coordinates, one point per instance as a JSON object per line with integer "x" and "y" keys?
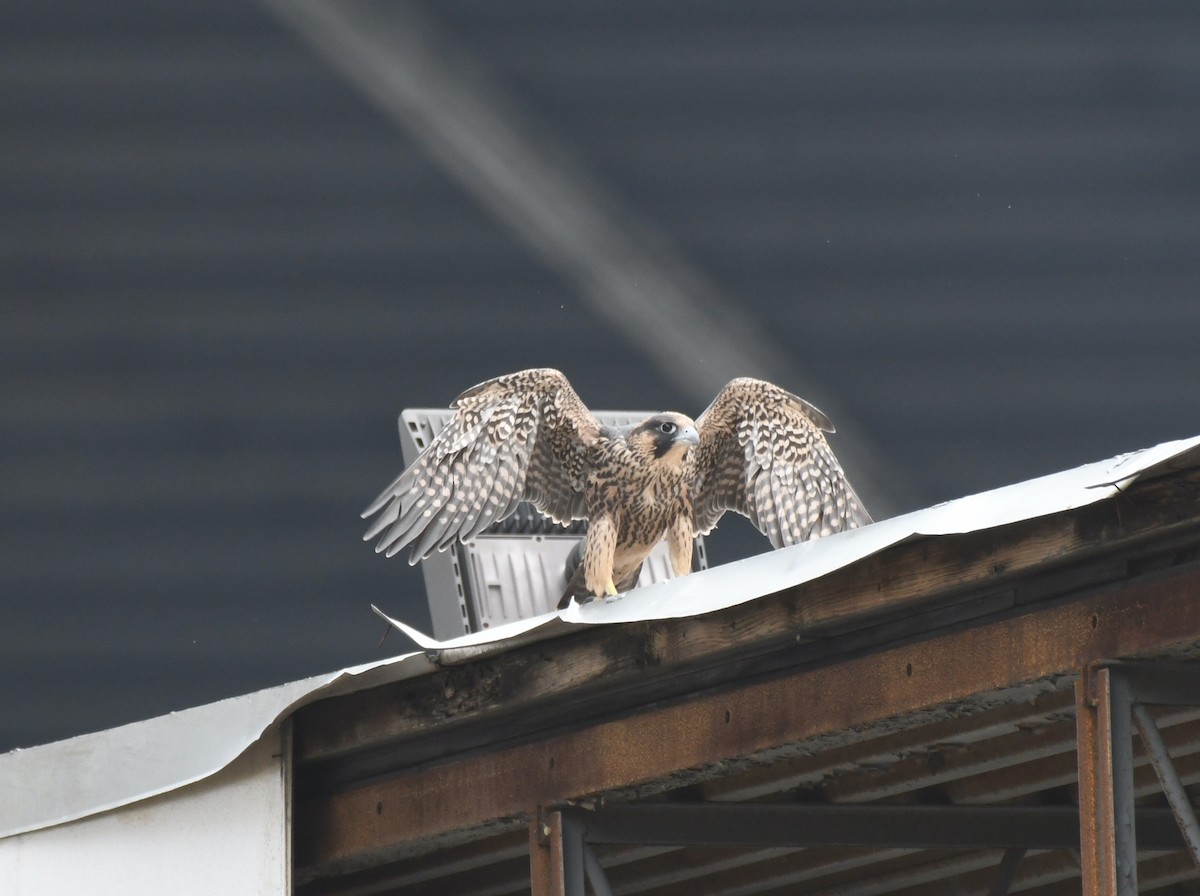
{"x": 576, "y": 588}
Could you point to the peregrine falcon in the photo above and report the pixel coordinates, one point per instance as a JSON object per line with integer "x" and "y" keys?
{"x": 527, "y": 436}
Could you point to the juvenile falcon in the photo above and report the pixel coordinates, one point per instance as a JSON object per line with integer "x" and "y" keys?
{"x": 527, "y": 436}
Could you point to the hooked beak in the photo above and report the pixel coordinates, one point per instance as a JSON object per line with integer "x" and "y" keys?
{"x": 688, "y": 436}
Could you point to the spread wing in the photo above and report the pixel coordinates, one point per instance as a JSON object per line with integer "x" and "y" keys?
{"x": 763, "y": 453}
{"x": 517, "y": 437}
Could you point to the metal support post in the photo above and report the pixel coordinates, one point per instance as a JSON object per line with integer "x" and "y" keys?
{"x": 546, "y": 868}
{"x": 1097, "y": 817}
{"x": 1121, "y": 733}
{"x": 1110, "y": 702}
{"x": 572, "y": 855}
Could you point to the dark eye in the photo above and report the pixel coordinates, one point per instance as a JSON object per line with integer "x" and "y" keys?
{"x": 667, "y": 428}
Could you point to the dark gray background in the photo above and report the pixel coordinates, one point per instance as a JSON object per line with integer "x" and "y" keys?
{"x": 968, "y": 230}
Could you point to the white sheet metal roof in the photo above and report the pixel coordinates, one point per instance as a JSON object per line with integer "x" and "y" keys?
{"x": 72, "y": 779}
{"x": 744, "y": 580}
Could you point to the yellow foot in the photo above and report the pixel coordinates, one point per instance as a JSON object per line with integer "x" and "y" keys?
{"x": 610, "y": 588}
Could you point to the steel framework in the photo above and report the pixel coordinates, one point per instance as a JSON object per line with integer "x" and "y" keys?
{"x": 1112, "y": 702}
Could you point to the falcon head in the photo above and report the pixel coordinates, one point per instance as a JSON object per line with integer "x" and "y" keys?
{"x": 664, "y": 437}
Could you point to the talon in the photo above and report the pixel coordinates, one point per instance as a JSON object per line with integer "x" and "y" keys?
{"x": 610, "y": 588}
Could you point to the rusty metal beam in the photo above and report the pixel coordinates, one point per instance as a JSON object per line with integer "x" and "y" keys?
{"x": 371, "y": 821}
{"x": 1104, "y": 834}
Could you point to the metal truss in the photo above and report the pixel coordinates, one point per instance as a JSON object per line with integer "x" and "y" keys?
{"x": 1112, "y": 703}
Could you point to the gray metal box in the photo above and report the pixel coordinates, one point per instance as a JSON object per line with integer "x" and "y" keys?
{"x": 516, "y": 568}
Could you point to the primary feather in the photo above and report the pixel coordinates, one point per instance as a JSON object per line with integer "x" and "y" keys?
{"x": 517, "y": 437}
{"x": 764, "y": 455}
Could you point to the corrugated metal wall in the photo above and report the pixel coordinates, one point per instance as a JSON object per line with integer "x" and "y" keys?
{"x": 223, "y": 273}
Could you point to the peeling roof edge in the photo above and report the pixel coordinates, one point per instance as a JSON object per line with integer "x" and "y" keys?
{"x": 735, "y": 583}
{"x": 72, "y": 779}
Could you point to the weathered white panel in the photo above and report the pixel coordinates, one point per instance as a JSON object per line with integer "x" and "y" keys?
{"x": 71, "y": 779}
{"x": 225, "y": 834}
